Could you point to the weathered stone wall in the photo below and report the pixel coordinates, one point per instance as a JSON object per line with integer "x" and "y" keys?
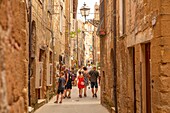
{"x": 67, "y": 33}
{"x": 96, "y": 43}
{"x": 106, "y": 58}
{"x": 41, "y": 41}
{"x": 146, "y": 22}
{"x": 161, "y": 59}
{"x": 56, "y": 30}
{"x": 139, "y": 30}
{"x": 13, "y": 56}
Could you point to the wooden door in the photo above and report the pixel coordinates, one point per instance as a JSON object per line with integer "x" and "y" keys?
{"x": 148, "y": 88}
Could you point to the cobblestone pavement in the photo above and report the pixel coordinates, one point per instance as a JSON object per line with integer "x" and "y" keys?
{"x": 75, "y": 104}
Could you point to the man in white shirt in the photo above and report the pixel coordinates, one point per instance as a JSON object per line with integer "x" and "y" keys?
{"x": 89, "y": 67}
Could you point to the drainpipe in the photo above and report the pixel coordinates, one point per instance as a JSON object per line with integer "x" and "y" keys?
{"x": 30, "y": 42}
{"x": 53, "y": 54}
{"x": 114, "y": 57}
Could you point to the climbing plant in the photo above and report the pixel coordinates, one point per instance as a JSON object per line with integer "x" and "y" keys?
{"x": 73, "y": 33}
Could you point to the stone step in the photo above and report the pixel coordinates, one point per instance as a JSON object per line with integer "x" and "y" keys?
{"x": 40, "y": 103}
{"x": 112, "y": 109}
{"x": 30, "y": 109}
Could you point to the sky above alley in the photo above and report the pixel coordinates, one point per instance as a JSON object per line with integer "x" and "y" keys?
{"x": 90, "y": 4}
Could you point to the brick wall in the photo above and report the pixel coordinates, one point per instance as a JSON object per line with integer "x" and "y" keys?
{"x": 13, "y": 56}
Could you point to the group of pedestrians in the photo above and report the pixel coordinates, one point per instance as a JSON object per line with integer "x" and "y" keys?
{"x": 85, "y": 76}
{"x": 64, "y": 84}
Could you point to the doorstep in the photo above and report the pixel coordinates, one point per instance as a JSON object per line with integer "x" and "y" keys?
{"x": 40, "y": 103}
{"x": 112, "y": 109}
{"x": 30, "y": 109}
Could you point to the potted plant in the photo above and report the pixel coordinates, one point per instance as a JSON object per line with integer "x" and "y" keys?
{"x": 102, "y": 33}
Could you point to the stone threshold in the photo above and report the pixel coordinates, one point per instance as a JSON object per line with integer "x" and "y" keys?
{"x": 30, "y": 109}
{"x": 112, "y": 109}
{"x": 41, "y": 101}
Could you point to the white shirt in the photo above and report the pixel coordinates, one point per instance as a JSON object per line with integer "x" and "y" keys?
{"x": 89, "y": 68}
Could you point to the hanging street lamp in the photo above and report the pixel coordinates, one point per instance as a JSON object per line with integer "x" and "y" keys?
{"x": 85, "y": 10}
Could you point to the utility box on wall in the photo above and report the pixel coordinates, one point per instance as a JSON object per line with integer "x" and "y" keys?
{"x": 39, "y": 75}
{"x": 50, "y": 74}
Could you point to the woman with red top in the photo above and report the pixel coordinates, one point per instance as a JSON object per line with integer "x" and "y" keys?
{"x": 80, "y": 83}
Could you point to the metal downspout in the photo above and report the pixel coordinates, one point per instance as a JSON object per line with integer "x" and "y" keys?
{"x": 30, "y": 41}
{"x": 114, "y": 59}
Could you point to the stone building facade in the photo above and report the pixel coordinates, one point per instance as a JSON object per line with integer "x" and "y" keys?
{"x": 73, "y": 44}
{"x": 58, "y": 21}
{"x": 67, "y": 31}
{"x": 77, "y": 46}
{"x": 71, "y": 15}
{"x": 142, "y": 55}
{"x": 64, "y": 14}
{"x": 89, "y": 30}
{"x": 106, "y": 51}
{"x": 13, "y": 56}
{"x": 30, "y": 46}
{"x": 49, "y": 46}
{"x": 41, "y": 56}
{"x": 96, "y": 39}
{"x": 81, "y": 46}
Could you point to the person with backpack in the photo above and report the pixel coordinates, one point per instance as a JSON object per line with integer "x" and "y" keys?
{"x": 61, "y": 86}
{"x": 68, "y": 86}
{"x": 73, "y": 76}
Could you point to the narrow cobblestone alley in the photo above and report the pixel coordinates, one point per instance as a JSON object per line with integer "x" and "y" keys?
{"x": 121, "y": 45}
{"x": 75, "y": 105}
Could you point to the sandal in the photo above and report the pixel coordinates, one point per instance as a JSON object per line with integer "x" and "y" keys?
{"x": 56, "y": 102}
{"x": 69, "y": 97}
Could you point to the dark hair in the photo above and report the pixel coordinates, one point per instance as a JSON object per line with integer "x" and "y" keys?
{"x": 79, "y": 72}
{"x": 84, "y": 68}
{"x": 72, "y": 68}
{"x": 61, "y": 73}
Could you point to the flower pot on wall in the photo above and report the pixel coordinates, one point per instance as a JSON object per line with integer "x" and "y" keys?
{"x": 102, "y": 33}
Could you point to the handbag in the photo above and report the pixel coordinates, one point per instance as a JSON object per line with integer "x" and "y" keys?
{"x": 82, "y": 83}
